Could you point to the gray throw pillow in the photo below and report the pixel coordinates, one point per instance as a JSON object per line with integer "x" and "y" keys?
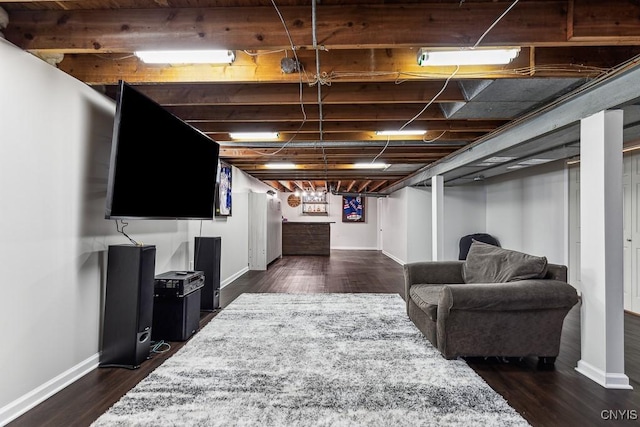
{"x": 490, "y": 264}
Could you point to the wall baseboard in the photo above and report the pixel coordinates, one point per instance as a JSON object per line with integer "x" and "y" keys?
{"x": 613, "y": 380}
{"x": 38, "y": 395}
{"x": 398, "y": 260}
{"x": 233, "y": 277}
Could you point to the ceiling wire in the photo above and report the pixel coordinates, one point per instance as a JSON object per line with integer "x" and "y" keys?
{"x": 444, "y": 86}
{"x": 434, "y": 139}
{"x": 448, "y": 79}
{"x": 495, "y": 23}
{"x": 314, "y": 27}
{"x": 263, "y": 52}
{"x": 523, "y": 71}
{"x": 301, "y": 100}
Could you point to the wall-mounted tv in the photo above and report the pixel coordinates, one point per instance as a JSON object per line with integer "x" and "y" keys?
{"x": 160, "y": 166}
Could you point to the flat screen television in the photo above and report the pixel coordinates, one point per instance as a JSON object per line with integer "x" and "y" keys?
{"x": 160, "y": 167}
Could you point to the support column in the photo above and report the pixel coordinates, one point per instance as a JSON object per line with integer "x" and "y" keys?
{"x": 602, "y": 312}
{"x": 437, "y": 218}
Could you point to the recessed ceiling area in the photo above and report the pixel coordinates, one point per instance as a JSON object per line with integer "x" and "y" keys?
{"x": 528, "y": 144}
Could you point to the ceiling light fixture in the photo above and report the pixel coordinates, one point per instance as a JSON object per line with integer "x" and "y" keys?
{"x": 368, "y": 165}
{"x": 478, "y": 56}
{"x": 531, "y": 162}
{"x": 280, "y": 166}
{"x": 186, "y": 56}
{"x": 498, "y": 159}
{"x": 415, "y": 132}
{"x": 255, "y": 136}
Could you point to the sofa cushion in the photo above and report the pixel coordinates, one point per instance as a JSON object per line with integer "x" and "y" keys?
{"x": 426, "y": 298}
{"x": 490, "y": 264}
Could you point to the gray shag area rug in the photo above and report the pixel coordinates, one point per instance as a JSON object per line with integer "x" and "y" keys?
{"x": 311, "y": 360}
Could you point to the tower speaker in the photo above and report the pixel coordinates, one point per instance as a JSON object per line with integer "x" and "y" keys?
{"x": 128, "y": 311}
{"x": 207, "y": 260}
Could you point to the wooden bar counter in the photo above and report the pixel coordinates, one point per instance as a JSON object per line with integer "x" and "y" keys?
{"x": 306, "y": 238}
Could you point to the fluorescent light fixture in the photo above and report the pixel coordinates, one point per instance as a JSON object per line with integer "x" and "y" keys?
{"x": 368, "y": 165}
{"x": 255, "y": 136}
{"x": 516, "y": 166}
{"x": 498, "y": 159}
{"x": 479, "y": 56}
{"x": 400, "y": 132}
{"x": 280, "y": 165}
{"x": 532, "y": 162}
{"x": 186, "y": 56}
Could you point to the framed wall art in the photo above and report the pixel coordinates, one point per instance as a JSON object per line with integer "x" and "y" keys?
{"x": 353, "y": 209}
{"x": 223, "y": 190}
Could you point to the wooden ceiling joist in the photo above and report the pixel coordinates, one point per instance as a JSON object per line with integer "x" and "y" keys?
{"x": 375, "y": 187}
{"x": 343, "y": 26}
{"x": 368, "y": 76}
{"x": 343, "y": 66}
{"x": 310, "y": 153}
{"x": 289, "y": 93}
{"x": 276, "y": 185}
{"x": 364, "y": 185}
{"x": 350, "y": 126}
{"x": 286, "y": 184}
{"x": 284, "y": 113}
{"x": 362, "y": 136}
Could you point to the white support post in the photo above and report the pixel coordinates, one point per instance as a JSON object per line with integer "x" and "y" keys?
{"x": 437, "y": 218}
{"x": 602, "y": 312}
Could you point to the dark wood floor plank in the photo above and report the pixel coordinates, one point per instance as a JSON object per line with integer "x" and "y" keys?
{"x": 558, "y": 397}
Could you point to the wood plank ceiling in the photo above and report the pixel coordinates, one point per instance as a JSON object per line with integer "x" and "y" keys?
{"x": 358, "y": 72}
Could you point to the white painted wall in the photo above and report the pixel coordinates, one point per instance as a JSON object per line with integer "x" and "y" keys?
{"x": 54, "y": 156}
{"x": 418, "y": 220}
{"x": 465, "y": 213}
{"x": 233, "y": 230}
{"x": 527, "y": 211}
{"x": 393, "y": 220}
{"x": 406, "y": 225}
{"x": 355, "y": 235}
{"x": 406, "y": 219}
{"x": 55, "y": 134}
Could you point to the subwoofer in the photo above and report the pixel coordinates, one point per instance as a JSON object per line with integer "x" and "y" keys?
{"x": 128, "y": 311}
{"x": 207, "y": 259}
{"x": 176, "y": 318}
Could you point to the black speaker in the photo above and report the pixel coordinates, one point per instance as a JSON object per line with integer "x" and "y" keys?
{"x": 128, "y": 310}
{"x": 207, "y": 259}
{"x": 176, "y": 318}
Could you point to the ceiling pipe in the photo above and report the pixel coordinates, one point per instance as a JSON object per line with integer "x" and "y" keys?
{"x": 356, "y": 194}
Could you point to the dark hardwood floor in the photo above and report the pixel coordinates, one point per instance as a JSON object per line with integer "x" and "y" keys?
{"x": 558, "y": 397}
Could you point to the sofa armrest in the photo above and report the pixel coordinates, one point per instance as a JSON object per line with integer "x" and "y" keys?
{"x": 556, "y": 272}
{"x": 534, "y": 294}
{"x": 431, "y": 272}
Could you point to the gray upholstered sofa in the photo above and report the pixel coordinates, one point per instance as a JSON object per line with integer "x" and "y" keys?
{"x": 522, "y": 315}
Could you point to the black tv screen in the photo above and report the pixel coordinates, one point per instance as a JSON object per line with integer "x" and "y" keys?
{"x": 160, "y": 166}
